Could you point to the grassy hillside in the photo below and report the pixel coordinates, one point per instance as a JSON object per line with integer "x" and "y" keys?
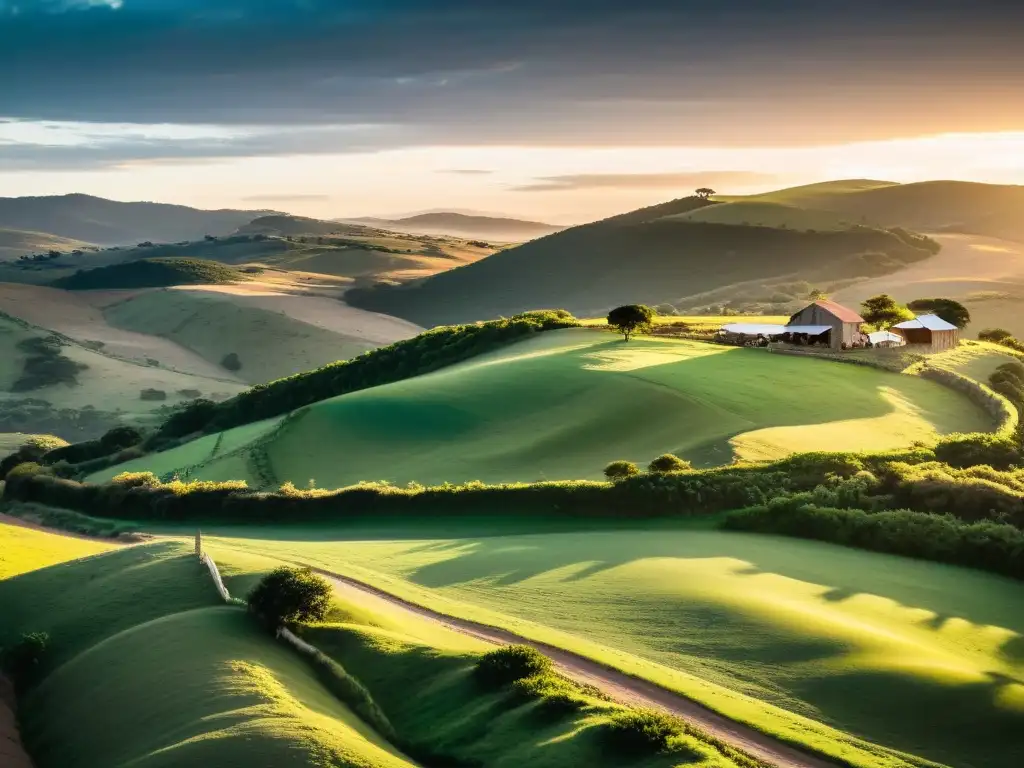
{"x": 565, "y": 403}
{"x": 132, "y": 624}
{"x": 229, "y": 695}
{"x": 991, "y": 210}
{"x": 150, "y": 273}
{"x": 110, "y": 222}
{"x": 24, "y": 549}
{"x": 766, "y": 214}
{"x": 269, "y": 343}
{"x": 15, "y": 243}
{"x": 50, "y": 384}
{"x": 916, "y": 657}
{"x": 648, "y": 256}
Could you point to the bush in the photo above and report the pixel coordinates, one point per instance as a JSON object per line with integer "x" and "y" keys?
{"x": 557, "y": 695}
{"x": 23, "y": 661}
{"x": 152, "y": 394}
{"x": 667, "y": 462}
{"x": 25, "y": 469}
{"x": 192, "y": 418}
{"x": 620, "y": 470}
{"x": 231, "y": 362}
{"x": 510, "y": 663}
{"x": 287, "y": 595}
{"x": 995, "y": 335}
{"x": 136, "y": 480}
{"x": 642, "y": 732}
{"x": 960, "y": 450}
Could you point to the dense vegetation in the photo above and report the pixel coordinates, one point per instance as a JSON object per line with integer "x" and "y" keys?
{"x": 150, "y": 273}
{"x": 645, "y": 256}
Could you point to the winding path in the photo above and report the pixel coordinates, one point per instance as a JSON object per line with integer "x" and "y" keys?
{"x": 617, "y": 685}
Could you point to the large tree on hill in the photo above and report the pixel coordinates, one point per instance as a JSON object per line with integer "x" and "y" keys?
{"x": 631, "y": 318}
{"x": 882, "y": 311}
{"x": 949, "y": 310}
{"x": 704, "y": 193}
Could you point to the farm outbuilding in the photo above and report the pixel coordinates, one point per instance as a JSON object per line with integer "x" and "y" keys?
{"x": 843, "y": 322}
{"x": 929, "y": 330}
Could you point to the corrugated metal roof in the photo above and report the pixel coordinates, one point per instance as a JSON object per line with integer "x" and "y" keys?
{"x": 813, "y": 330}
{"x": 931, "y": 322}
{"x": 878, "y": 337}
{"x": 844, "y": 314}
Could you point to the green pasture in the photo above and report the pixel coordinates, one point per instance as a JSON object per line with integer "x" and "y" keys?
{"x": 865, "y": 656}
{"x": 24, "y": 549}
{"x": 203, "y": 687}
{"x": 564, "y": 404}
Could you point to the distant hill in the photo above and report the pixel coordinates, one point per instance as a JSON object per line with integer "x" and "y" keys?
{"x": 150, "y": 273}
{"x": 283, "y": 225}
{"x": 990, "y": 210}
{"x": 108, "y": 222}
{"x": 652, "y": 255}
{"x": 463, "y": 225}
{"x": 15, "y": 243}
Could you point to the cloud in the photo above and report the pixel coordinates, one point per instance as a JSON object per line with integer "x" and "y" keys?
{"x": 286, "y": 198}
{"x": 540, "y": 72}
{"x": 620, "y": 181}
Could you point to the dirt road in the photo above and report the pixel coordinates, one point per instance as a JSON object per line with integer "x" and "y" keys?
{"x": 617, "y": 685}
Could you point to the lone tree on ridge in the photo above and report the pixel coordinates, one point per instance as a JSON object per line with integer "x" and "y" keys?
{"x": 631, "y": 318}
{"x": 705, "y": 192}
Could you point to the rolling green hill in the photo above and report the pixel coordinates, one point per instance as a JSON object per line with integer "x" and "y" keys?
{"x": 929, "y": 206}
{"x": 650, "y": 256}
{"x": 15, "y": 243}
{"x": 111, "y": 222}
{"x": 917, "y": 657}
{"x": 563, "y": 404}
{"x": 150, "y": 273}
{"x": 756, "y": 213}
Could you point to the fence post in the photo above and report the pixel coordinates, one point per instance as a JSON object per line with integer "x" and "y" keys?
{"x": 199, "y": 543}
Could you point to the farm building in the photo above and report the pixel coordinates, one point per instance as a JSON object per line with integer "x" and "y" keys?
{"x": 823, "y": 322}
{"x": 843, "y": 323}
{"x": 929, "y": 330}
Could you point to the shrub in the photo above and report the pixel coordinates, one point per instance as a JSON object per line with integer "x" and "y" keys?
{"x": 510, "y": 663}
{"x": 557, "y": 695}
{"x": 668, "y": 462}
{"x": 287, "y": 595}
{"x": 968, "y": 450}
{"x": 641, "y": 732}
{"x": 136, "y": 480}
{"x": 995, "y": 335}
{"x": 23, "y": 661}
{"x": 152, "y": 394}
{"x": 620, "y": 470}
{"x": 192, "y": 417}
{"x": 25, "y": 469}
{"x": 231, "y": 362}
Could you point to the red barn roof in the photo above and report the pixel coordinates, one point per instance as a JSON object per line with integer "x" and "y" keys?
{"x": 843, "y": 314}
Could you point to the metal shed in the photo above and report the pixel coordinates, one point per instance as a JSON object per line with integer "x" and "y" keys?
{"x": 931, "y": 331}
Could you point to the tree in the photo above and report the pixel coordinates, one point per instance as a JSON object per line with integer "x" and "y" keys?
{"x": 949, "y": 310}
{"x": 882, "y": 311}
{"x": 231, "y": 362}
{"x": 668, "y": 462}
{"x": 288, "y": 595}
{"x": 620, "y": 470}
{"x": 995, "y": 335}
{"x": 704, "y": 193}
{"x": 631, "y": 318}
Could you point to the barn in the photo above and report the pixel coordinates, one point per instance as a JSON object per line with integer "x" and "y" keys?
{"x": 929, "y": 330}
{"x": 844, "y": 322}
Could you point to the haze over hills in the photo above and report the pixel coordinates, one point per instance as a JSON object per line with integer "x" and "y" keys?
{"x": 110, "y": 222}
{"x": 464, "y": 225}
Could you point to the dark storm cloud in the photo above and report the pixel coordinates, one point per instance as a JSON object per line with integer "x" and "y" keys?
{"x": 552, "y": 72}
{"x": 646, "y": 180}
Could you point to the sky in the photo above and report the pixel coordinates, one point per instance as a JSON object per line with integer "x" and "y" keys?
{"x": 556, "y": 110}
